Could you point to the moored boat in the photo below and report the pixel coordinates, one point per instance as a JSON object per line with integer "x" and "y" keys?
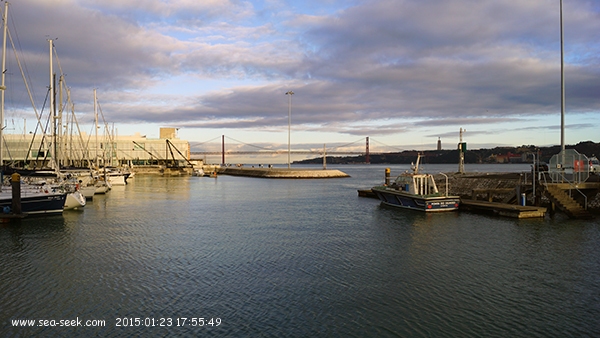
{"x": 75, "y": 200}
{"x": 117, "y": 178}
{"x": 198, "y": 172}
{"x": 88, "y": 191}
{"x": 102, "y": 187}
{"x": 35, "y": 201}
{"x": 594, "y": 165}
{"x": 417, "y": 191}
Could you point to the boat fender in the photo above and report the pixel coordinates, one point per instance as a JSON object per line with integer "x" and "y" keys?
{"x": 6, "y": 209}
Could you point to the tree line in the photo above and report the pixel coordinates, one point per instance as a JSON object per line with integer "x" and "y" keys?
{"x": 494, "y": 155}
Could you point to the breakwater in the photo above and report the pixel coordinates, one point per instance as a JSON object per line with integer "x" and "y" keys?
{"x": 282, "y": 173}
{"x": 463, "y": 185}
{"x": 160, "y": 170}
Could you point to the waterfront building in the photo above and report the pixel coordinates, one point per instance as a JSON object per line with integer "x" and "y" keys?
{"x": 29, "y": 150}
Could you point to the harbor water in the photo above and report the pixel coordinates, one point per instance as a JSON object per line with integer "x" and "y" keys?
{"x": 251, "y": 257}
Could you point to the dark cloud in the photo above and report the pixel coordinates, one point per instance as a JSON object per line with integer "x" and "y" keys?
{"x": 357, "y": 71}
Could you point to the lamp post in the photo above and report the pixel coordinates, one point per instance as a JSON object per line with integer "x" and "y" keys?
{"x": 535, "y": 169}
{"x": 562, "y": 84}
{"x": 290, "y": 93}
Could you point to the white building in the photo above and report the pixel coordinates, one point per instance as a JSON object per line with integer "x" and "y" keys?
{"x": 28, "y": 150}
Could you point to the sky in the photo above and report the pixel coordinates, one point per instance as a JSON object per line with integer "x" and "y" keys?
{"x": 404, "y": 73}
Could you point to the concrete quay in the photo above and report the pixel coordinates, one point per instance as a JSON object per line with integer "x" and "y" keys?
{"x": 161, "y": 170}
{"x": 282, "y": 173}
{"x": 465, "y": 185}
{"x": 506, "y": 188}
{"x": 500, "y": 193}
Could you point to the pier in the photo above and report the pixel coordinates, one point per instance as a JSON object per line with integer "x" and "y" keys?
{"x": 507, "y": 189}
{"x": 282, "y": 173}
{"x": 500, "y": 194}
{"x": 503, "y": 209}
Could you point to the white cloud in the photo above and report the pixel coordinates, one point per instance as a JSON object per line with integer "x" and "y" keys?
{"x": 435, "y": 62}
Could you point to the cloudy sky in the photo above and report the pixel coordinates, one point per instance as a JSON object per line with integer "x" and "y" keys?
{"x": 402, "y": 72}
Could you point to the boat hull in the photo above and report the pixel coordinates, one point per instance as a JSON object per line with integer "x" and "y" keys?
{"x": 102, "y": 187}
{"x": 117, "y": 180}
{"x": 38, "y": 203}
{"x": 399, "y": 199}
{"x": 75, "y": 200}
{"x": 88, "y": 192}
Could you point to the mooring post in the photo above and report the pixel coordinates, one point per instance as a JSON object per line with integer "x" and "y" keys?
{"x": 15, "y": 182}
{"x": 387, "y": 176}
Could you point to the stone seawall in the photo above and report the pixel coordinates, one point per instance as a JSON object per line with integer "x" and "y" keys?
{"x": 464, "y": 184}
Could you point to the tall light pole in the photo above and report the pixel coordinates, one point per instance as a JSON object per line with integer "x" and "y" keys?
{"x": 461, "y": 152}
{"x": 290, "y": 93}
{"x": 562, "y": 83}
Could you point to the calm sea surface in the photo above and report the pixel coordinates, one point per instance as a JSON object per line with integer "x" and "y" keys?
{"x": 295, "y": 258}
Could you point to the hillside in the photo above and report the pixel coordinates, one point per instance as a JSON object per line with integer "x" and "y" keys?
{"x": 494, "y": 155}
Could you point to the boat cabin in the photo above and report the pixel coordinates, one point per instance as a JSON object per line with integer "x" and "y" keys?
{"x": 420, "y": 184}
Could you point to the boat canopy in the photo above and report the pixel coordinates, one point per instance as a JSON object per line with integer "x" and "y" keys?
{"x": 421, "y": 184}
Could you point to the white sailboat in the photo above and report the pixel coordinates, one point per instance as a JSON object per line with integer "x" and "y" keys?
{"x": 33, "y": 201}
{"x": 74, "y": 199}
{"x": 102, "y": 184}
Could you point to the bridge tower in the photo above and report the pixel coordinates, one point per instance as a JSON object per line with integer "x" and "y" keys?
{"x": 367, "y": 159}
{"x": 223, "y": 150}
{"x": 462, "y": 147}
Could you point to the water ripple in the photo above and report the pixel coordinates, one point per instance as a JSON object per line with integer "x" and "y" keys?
{"x": 298, "y": 258}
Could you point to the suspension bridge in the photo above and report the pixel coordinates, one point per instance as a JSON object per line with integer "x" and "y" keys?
{"x": 258, "y": 150}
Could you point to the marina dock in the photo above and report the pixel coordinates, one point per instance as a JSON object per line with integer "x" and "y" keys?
{"x": 500, "y": 209}
{"x": 500, "y": 194}
{"x": 503, "y": 209}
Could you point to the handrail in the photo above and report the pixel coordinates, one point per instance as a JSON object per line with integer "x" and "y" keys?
{"x": 571, "y": 184}
{"x": 446, "y": 183}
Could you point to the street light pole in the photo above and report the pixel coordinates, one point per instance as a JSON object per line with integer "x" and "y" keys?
{"x": 290, "y": 93}
{"x": 562, "y": 83}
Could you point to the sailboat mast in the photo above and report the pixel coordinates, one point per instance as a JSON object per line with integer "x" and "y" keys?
{"x": 60, "y": 152}
{"x": 96, "y": 127}
{"x": 2, "y": 84}
{"x": 52, "y": 110}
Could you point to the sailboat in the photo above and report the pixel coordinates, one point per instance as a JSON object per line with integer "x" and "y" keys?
{"x": 33, "y": 200}
{"x": 102, "y": 184}
{"x": 112, "y": 175}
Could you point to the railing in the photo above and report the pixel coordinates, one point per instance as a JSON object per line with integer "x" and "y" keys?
{"x": 446, "y": 176}
{"x": 572, "y": 185}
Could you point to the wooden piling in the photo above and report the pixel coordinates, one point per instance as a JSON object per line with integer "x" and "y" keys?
{"x": 15, "y": 182}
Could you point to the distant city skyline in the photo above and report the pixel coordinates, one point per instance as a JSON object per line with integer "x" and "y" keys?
{"x": 401, "y": 72}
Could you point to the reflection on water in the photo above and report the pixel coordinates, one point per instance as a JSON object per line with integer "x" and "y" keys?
{"x": 296, "y": 258}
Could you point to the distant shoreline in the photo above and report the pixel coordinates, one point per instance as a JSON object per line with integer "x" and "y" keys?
{"x": 498, "y": 155}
